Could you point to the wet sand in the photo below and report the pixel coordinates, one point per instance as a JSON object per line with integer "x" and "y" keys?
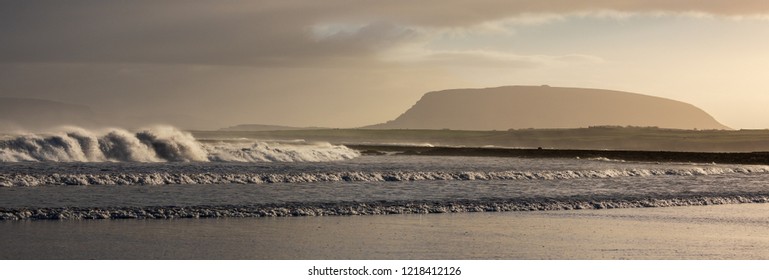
{"x": 736, "y": 231}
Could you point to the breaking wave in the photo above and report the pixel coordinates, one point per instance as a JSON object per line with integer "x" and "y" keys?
{"x": 167, "y": 178}
{"x": 157, "y": 144}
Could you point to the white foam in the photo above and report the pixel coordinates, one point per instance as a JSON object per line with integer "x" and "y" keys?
{"x": 165, "y": 178}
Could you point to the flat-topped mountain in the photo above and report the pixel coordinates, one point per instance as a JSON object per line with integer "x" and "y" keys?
{"x": 519, "y": 107}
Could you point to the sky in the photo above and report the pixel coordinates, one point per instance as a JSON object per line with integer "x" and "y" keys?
{"x": 344, "y": 63}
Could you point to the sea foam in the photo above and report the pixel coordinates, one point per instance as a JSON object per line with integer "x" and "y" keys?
{"x": 373, "y": 208}
{"x": 214, "y": 178}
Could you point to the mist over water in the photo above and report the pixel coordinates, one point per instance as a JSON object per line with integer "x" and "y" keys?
{"x": 156, "y": 144}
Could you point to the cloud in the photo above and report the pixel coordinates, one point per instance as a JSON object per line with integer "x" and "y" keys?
{"x": 476, "y": 58}
{"x": 356, "y": 39}
{"x": 485, "y": 59}
{"x": 278, "y": 33}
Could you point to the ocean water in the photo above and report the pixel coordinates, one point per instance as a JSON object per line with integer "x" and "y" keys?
{"x": 163, "y": 173}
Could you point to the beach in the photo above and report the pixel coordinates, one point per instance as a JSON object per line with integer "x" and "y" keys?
{"x": 178, "y": 197}
{"x": 734, "y": 231}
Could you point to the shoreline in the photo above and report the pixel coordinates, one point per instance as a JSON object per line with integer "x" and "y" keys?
{"x": 756, "y": 158}
{"x": 375, "y": 208}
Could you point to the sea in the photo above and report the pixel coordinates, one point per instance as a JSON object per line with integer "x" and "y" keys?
{"x": 165, "y": 173}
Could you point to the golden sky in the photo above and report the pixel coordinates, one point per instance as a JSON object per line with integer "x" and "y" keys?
{"x": 337, "y": 63}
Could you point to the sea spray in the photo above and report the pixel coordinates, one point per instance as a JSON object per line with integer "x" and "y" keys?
{"x": 157, "y": 144}
{"x": 120, "y": 145}
{"x": 171, "y": 144}
{"x": 88, "y": 143}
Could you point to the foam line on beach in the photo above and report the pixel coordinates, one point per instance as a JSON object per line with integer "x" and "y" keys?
{"x": 374, "y": 208}
{"x": 165, "y": 178}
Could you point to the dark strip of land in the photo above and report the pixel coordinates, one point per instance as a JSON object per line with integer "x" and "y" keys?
{"x": 647, "y": 156}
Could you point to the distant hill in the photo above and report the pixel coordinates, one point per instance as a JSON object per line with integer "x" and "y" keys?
{"x": 264, "y": 127}
{"x": 30, "y": 113}
{"x": 519, "y": 107}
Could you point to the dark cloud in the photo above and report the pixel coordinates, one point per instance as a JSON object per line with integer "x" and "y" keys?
{"x": 221, "y": 33}
{"x": 264, "y": 33}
